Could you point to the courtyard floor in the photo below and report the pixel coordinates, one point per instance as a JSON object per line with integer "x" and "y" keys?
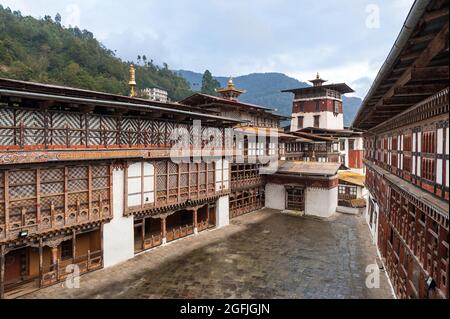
{"x": 260, "y": 255}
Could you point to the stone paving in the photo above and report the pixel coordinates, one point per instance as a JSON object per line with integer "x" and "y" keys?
{"x": 260, "y": 255}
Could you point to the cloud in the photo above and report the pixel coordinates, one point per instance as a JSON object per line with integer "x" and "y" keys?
{"x": 236, "y": 37}
{"x": 72, "y": 15}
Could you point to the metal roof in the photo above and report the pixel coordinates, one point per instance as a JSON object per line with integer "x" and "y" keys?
{"x": 352, "y": 178}
{"x": 300, "y": 168}
{"x": 343, "y": 88}
{"x": 136, "y": 105}
{"x": 202, "y": 100}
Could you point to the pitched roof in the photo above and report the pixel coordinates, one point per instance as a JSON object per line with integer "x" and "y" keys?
{"x": 204, "y": 100}
{"x": 415, "y": 69}
{"x": 266, "y": 131}
{"x": 300, "y": 168}
{"x": 340, "y": 87}
{"x": 73, "y": 96}
{"x": 352, "y": 178}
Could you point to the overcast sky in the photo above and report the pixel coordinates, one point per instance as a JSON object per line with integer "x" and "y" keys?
{"x": 345, "y": 40}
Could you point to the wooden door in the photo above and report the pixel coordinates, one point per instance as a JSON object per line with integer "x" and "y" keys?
{"x": 14, "y": 262}
{"x": 295, "y": 199}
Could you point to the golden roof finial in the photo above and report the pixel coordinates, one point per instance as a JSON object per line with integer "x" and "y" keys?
{"x": 230, "y": 82}
{"x": 318, "y": 76}
{"x": 132, "y": 81}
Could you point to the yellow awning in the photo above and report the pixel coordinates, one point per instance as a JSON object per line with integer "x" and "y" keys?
{"x": 352, "y": 178}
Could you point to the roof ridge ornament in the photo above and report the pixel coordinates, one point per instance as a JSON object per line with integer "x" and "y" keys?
{"x": 132, "y": 81}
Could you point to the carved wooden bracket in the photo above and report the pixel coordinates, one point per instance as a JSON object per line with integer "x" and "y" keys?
{"x": 55, "y": 242}
{"x": 119, "y": 165}
{"x": 165, "y": 215}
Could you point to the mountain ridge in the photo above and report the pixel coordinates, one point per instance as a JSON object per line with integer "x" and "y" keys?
{"x": 265, "y": 89}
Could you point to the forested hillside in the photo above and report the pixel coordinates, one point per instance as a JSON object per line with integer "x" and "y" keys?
{"x": 43, "y": 50}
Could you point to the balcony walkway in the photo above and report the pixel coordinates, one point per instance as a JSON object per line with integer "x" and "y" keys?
{"x": 260, "y": 255}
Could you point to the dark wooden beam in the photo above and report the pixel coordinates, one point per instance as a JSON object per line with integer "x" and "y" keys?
{"x": 85, "y": 108}
{"x": 180, "y": 117}
{"x": 426, "y": 89}
{"x": 430, "y": 73}
{"x": 402, "y": 100}
{"x": 421, "y": 39}
{"x": 45, "y": 105}
{"x": 410, "y": 56}
{"x": 435, "y": 14}
{"x": 434, "y": 48}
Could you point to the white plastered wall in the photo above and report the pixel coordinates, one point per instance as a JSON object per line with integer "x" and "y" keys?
{"x": 118, "y": 236}
{"x": 223, "y": 211}
{"x": 275, "y": 196}
{"x": 321, "y": 202}
{"x": 327, "y": 120}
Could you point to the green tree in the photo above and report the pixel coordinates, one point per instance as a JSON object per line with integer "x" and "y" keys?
{"x": 209, "y": 84}
{"x": 58, "y": 18}
{"x": 47, "y": 52}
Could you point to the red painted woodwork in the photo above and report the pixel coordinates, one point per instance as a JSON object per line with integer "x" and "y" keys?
{"x": 326, "y": 105}
{"x": 355, "y": 159}
{"x": 13, "y": 263}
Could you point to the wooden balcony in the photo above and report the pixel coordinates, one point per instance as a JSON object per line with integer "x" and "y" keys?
{"x": 246, "y": 182}
{"x": 43, "y": 200}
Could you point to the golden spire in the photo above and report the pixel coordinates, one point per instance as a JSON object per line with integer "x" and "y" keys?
{"x": 132, "y": 82}
{"x": 230, "y": 82}
{"x": 318, "y": 81}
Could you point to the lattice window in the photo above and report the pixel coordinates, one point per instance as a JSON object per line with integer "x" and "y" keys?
{"x": 33, "y": 122}
{"x": 429, "y": 142}
{"x": 7, "y": 127}
{"x": 428, "y": 169}
{"x": 159, "y": 132}
{"x": 52, "y": 181}
{"x": 23, "y": 196}
{"x": 147, "y": 132}
{"x": 94, "y": 129}
{"x": 22, "y": 184}
{"x": 109, "y": 130}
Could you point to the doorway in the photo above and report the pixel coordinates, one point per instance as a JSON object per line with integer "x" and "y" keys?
{"x": 295, "y": 199}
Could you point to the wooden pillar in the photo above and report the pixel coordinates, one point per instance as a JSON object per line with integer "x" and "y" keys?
{"x": 101, "y": 243}
{"x": 2, "y": 272}
{"x": 66, "y": 194}
{"x": 194, "y": 214}
{"x": 38, "y": 196}
{"x": 41, "y": 263}
{"x": 54, "y": 255}
{"x": 90, "y": 192}
{"x": 6, "y": 194}
{"x": 163, "y": 230}
{"x": 74, "y": 245}
{"x": 143, "y": 233}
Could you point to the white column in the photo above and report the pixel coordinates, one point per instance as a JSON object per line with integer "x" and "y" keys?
{"x": 118, "y": 234}
{"x": 223, "y": 211}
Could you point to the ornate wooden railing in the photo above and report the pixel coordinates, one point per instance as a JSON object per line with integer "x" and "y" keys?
{"x": 55, "y": 273}
{"x": 246, "y": 182}
{"x": 203, "y": 225}
{"x": 39, "y": 129}
{"x": 179, "y": 232}
{"x": 153, "y": 241}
